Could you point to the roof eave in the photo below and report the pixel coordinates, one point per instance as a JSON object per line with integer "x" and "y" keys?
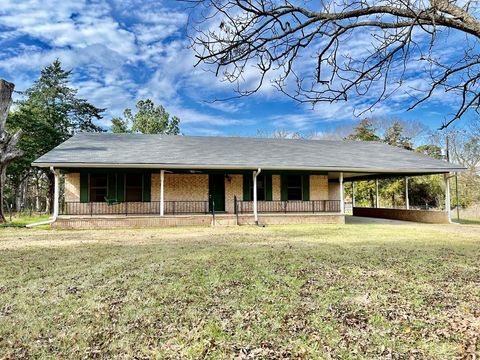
{"x": 253, "y": 167}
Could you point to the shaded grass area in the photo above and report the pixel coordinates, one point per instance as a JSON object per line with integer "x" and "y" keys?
{"x": 468, "y": 221}
{"x": 353, "y": 291}
{"x": 20, "y": 220}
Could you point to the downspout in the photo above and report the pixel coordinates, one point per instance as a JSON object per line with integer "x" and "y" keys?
{"x": 255, "y": 210}
{"x": 56, "y": 195}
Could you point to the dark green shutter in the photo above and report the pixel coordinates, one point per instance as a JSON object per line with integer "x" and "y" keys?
{"x": 83, "y": 187}
{"x": 120, "y": 187}
{"x": 284, "y": 187}
{"x": 246, "y": 187}
{"x": 268, "y": 187}
{"x": 306, "y": 187}
{"x": 112, "y": 186}
{"x": 147, "y": 186}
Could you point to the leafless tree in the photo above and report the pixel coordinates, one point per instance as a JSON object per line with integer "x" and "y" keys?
{"x": 332, "y": 50}
{"x": 8, "y": 141}
{"x": 465, "y": 149}
{"x": 280, "y": 134}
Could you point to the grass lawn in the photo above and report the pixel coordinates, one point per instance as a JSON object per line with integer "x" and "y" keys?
{"x": 20, "y": 220}
{"x": 353, "y": 291}
{"x": 472, "y": 221}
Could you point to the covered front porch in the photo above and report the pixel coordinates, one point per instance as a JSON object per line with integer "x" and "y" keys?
{"x": 169, "y": 197}
{"x": 200, "y": 195}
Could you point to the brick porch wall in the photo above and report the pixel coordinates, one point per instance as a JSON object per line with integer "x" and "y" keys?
{"x": 276, "y": 190}
{"x": 72, "y": 187}
{"x": 185, "y": 187}
{"x": 181, "y": 187}
{"x": 319, "y": 187}
{"x": 334, "y": 191}
{"x": 233, "y": 188}
{"x": 421, "y": 216}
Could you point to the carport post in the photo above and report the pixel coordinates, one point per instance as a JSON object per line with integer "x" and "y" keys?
{"x": 447, "y": 196}
{"x": 162, "y": 180}
{"x": 342, "y": 201}
{"x": 353, "y": 194}
{"x": 255, "y": 211}
{"x": 377, "y": 200}
{"x": 407, "y": 201}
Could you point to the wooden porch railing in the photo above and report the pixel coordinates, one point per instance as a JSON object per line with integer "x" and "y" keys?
{"x": 134, "y": 208}
{"x": 290, "y": 206}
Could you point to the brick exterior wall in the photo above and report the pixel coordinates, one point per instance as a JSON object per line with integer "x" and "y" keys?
{"x": 290, "y": 219}
{"x": 181, "y": 187}
{"x": 197, "y": 220}
{"x": 233, "y": 188}
{"x": 319, "y": 187}
{"x": 421, "y": 216}
{"x": 72, "y": 187}
{"x": 194, "y": 187}
{"x": 334, "y": 191}
{"x": 276, "y": 190}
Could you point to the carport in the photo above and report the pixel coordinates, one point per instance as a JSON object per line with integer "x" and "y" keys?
{"x": 422, "y": 167}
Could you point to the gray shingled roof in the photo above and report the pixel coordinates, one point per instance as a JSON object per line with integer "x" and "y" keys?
{"x": 203, "y": 152}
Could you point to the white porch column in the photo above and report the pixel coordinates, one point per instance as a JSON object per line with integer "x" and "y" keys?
{"x": 342, "y": 200}
{"x": 56, "y": 193}
{"x": 447, "y": 197}
{"x": 353, "y": 194}
{"x": 407, "y": 201}
{"x": 162, "y": 180}
{"x": 377, "y": 199}
{"x": 255, "y": 209}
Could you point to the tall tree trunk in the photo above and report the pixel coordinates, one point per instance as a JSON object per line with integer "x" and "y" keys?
{"x": 3, "y": 177}
{"x": 25, "y": 203}
{"x": 37, "y": 194}
{"x": 8, "y": 142}
{"x": 19, "y": 196}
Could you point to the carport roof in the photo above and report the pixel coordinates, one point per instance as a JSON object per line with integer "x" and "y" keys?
{"x": 107, "y": 150}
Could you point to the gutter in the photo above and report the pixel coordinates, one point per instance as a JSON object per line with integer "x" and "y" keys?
{"x": 230, "y": 167}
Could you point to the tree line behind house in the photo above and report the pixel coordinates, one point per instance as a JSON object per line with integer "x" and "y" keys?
{"x": 424, "y": 191}
{"x": 51, "y": 111}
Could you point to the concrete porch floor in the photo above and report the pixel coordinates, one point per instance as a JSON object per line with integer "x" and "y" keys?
{"x": 350, "y": 219}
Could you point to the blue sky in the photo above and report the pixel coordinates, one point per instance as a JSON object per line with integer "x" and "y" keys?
{"x": 129, "y": 50}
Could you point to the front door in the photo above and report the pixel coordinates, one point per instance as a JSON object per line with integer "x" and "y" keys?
{"x": 216, "y": 191}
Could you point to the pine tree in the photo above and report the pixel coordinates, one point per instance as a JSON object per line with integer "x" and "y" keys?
{"x": 394, "y": 136}
{"x": 50, "y": 113}
{"x": 149, "y": 119}
{"x": 365, "y": 131}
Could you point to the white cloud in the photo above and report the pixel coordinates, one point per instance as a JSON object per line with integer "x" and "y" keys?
{"x": 133, "y": 49}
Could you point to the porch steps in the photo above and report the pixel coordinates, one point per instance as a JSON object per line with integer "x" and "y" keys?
{"x": 225, "y": 220}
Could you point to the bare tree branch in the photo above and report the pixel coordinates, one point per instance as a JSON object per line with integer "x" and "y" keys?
{"x": 306, "y": 51}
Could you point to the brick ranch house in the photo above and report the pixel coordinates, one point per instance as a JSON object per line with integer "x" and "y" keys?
{"x": 114, "y": 180}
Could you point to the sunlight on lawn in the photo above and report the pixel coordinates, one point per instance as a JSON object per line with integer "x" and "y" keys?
{"x": 282, "y": 291}
{"x": 19, "y": 220}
